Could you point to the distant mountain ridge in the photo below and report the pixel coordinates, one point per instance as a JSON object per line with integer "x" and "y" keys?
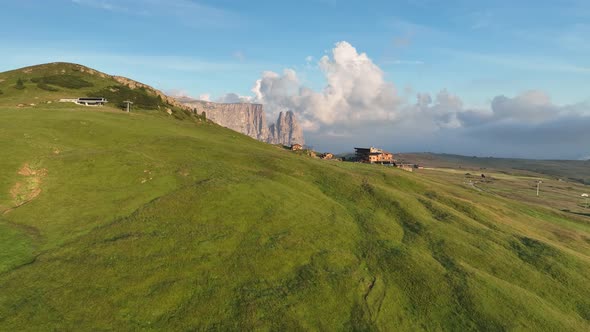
{"x": 250, "y": 119}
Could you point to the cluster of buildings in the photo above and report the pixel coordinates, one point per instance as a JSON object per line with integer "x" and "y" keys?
{"x": 371, "y": 155}
{"x": 325, "y": 156}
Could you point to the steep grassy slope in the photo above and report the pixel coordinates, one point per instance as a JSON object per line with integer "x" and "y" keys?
{"x": 139, "y": 221}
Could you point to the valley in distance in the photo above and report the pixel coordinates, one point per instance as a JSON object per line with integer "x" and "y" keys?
{"x": 192, "y": 215}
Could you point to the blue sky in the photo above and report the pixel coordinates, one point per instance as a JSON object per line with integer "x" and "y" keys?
{"x": 474, "y": 49}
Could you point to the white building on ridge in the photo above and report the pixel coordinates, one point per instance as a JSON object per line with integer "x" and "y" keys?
{"x": 86, "y": 101}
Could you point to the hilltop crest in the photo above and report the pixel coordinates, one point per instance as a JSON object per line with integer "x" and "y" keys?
{"x": 52, "y": 81}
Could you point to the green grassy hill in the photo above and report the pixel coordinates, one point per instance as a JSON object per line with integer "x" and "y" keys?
{"x": 45, "y": 84}
{"x": 116, "y": 221}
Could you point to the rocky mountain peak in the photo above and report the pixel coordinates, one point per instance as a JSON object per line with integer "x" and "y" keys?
{"x": 286, "y": 130}
{"x": 250, "y": 119}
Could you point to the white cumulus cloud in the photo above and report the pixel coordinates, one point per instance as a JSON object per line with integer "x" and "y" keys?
{"x": 205, "y": 97}
{"x": 358, "y": 106}
{"x": 231, "y": 98}
{"x": 356, "y": 90}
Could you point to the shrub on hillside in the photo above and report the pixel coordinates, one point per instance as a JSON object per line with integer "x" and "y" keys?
{"x": 20, "y": 84}
{"x": 44, "y": 86}
{"x": 66, "y": 81}
{"x": 181, "y": 114}
{"x": 1, "y": 92}
{"x": 141, "y": 98}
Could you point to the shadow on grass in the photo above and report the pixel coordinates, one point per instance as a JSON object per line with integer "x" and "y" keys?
{"x": 577, "y": 213}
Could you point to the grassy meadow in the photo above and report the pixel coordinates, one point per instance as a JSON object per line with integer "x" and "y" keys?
{"x": 115, "y": 221}
{"x": 553, "y": 192}
{"x": 572, "y": 170}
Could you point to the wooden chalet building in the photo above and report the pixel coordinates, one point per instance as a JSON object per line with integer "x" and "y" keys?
{"x": 374, "y": 156}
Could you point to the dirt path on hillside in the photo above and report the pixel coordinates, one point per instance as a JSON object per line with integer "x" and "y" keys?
{"x": 28, "y": 187}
